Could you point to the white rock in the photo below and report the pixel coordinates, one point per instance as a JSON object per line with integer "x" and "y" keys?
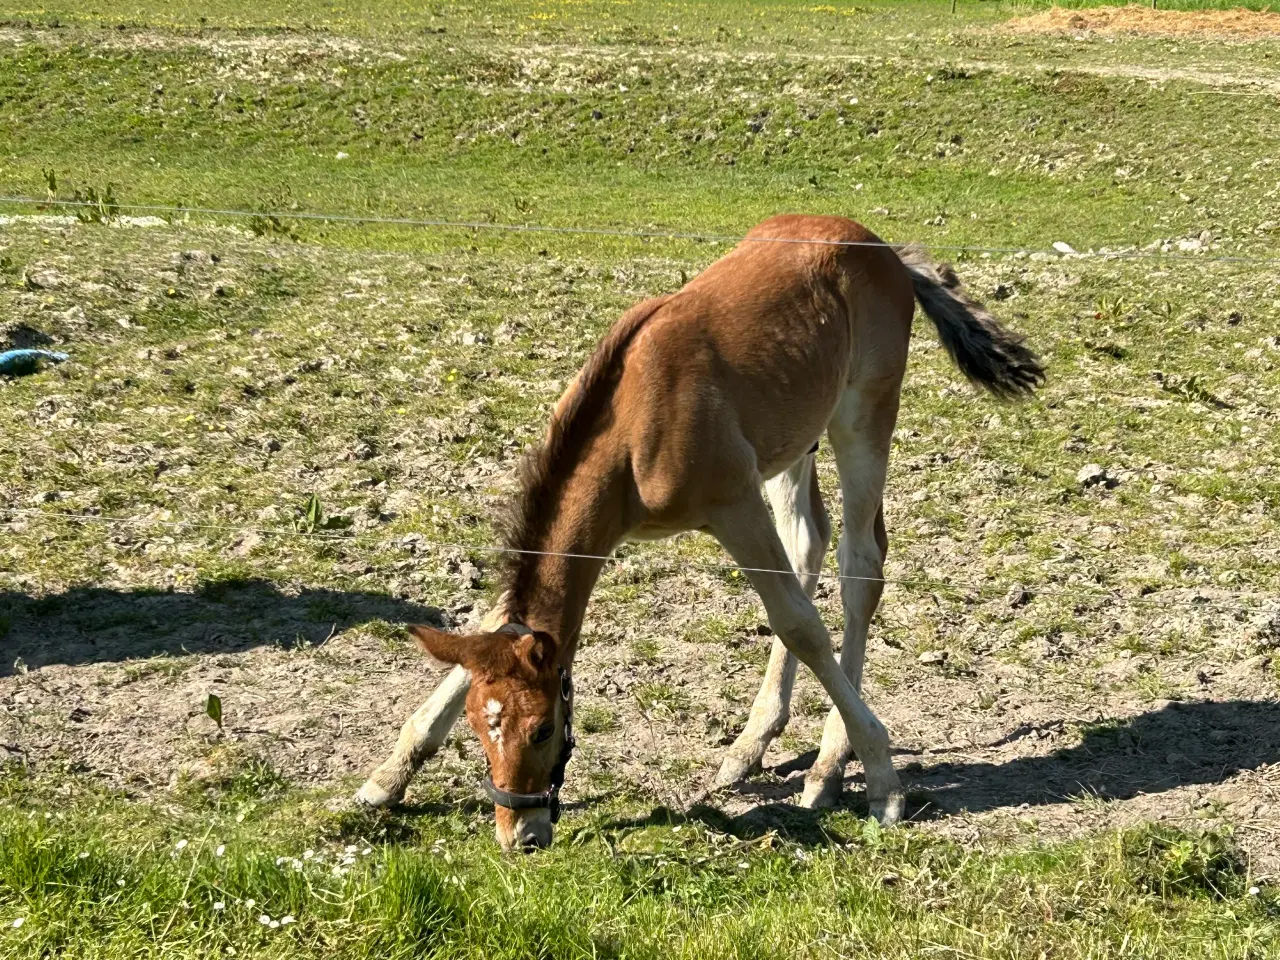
{"x": 1091, "y": 475}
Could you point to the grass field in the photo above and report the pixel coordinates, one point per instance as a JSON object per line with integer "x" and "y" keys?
{"x": 286, "y": 437}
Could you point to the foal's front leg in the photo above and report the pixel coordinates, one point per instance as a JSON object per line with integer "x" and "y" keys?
{"x": 748, "y": 535}
{"x": 421, "y": 736}
{"x": 802, "y": 523}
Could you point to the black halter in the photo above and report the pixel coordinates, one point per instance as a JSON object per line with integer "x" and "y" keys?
{"x": 551, "y": 796}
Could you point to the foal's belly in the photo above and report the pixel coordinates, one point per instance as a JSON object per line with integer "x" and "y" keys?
{"x": 653, "y": 531}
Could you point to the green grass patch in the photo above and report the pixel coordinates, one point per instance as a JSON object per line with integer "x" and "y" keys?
{"x": 100, "y": 876}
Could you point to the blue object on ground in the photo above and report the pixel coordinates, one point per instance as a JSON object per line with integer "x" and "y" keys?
{"x": 17, "y": 363}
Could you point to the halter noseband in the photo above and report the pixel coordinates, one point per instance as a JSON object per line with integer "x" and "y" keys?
{"x": 549, "y": 798}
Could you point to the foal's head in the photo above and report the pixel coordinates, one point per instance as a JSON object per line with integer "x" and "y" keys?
{"x": 519, "y": 705}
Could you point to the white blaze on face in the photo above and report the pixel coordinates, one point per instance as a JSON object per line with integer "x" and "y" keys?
{"x": 493, "y": 710}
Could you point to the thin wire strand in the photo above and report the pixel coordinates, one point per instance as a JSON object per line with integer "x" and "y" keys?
{"x": 1098, "y": 592}
{"x": 1135, "y": 254}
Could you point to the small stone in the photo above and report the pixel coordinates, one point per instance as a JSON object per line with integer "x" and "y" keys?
{"x": 933, "y": 657}
{"x": 1018, "y": 596}
{"x": 1062, "y": 247}
{"x": 1095, "y": 475}
{"x": 470, "y": 574}
{"x": 1266, "y": 629}
{"x": 1174, "y": 759}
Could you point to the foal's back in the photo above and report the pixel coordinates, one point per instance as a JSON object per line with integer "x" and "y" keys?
{"x": 734, "y": 378}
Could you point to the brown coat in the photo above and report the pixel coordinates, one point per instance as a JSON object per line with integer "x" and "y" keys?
{"x": 686, "y": 407}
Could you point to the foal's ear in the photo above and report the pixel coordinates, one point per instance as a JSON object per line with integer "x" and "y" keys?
{"x": 442, "y": 647}
{"x": 537, "y": 650}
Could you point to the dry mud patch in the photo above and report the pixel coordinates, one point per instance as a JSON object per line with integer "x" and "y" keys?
{"x": 1238, "y": 24}
{"x": 994, "y": 751}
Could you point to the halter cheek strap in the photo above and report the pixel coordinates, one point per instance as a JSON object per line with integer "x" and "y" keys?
{"x": 549, "y": 798}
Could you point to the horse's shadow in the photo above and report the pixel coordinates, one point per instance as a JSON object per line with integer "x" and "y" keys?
{"x": 1203, "y": 742}
{"x": 99, "y": 624}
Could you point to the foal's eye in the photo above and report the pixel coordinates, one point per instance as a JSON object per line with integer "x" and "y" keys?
{"x": 544, "y": 732}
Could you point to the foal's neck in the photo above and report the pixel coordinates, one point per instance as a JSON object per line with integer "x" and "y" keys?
{"x": 550, "y": 583}
{"x": 575, "y": 496}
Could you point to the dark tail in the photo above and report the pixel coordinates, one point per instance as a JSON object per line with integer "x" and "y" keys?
{"x": 985, "y": 352}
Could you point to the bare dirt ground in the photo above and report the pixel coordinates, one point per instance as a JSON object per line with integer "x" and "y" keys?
{"x": 1237, "y": 24}
{"x": 991, "y": 751}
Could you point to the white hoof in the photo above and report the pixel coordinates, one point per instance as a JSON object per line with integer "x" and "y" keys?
{"x": 889, "y": 810}
{"x": 884, "y": 795}
{"x": 821, "y": 794}
{"x": 734, "y": 769}
{"x": 376, "y": 796}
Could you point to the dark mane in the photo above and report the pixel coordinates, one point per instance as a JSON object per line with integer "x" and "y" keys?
{"x": 546, "y": 467}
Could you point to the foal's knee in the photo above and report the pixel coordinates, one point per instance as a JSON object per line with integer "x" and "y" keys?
{"x": 805, "y": 635}
{"x": 861, "y": 562}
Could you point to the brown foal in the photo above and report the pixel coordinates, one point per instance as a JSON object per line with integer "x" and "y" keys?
{"x": 687, "y": 406}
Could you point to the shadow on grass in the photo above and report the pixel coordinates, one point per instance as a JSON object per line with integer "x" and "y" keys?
{"x": 1196, "y": 743}
{"x": 97, "y": 625}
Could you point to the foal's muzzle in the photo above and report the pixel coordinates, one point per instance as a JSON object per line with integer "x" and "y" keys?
{"x": 549, "y": 798}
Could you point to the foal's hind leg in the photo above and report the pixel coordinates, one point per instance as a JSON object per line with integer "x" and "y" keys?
{"x": 861, "y": 433}
{"x": 746, "y": 533}
{"x": 802, "y": 523}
